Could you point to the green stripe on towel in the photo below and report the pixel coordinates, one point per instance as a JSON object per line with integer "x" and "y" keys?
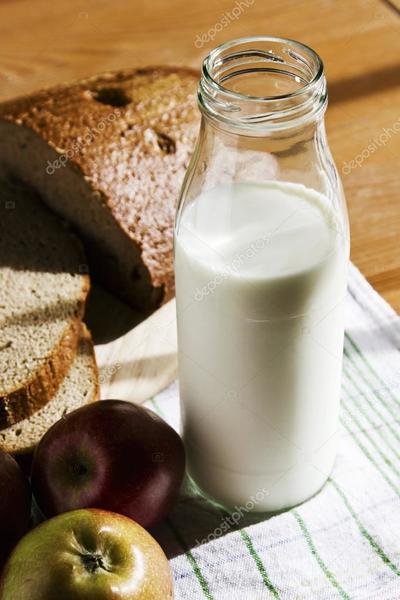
{"x": 259, "y": 564}
{"x": 158, "y": 408}
{"x": 364, "y": 532}
{"x": 394, "y": 487}
{"x": 369, "y": 367}
{"x": 374, "y": 408}
{"x": 385, "y": 459}
{"x": 255, "y": 556}
{"x": 329, "y": 575}
{"x": 192, "y": 561}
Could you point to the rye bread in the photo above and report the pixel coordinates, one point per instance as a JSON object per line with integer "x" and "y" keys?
{"x": 79, "y": 387}
{"x": 109, "y": 154}
{"x": 43, "y": 288}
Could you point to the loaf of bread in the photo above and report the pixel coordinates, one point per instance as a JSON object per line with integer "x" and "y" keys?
{"x": 109, "y": 155}
{"x": 43, "y": 288}
{"x": 79, "y": 387}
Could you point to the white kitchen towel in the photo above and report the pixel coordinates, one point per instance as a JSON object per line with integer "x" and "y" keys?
{"x": 345, "y": 541}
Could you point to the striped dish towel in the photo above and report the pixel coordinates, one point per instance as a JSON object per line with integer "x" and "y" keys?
{"x": 345, "y": 541}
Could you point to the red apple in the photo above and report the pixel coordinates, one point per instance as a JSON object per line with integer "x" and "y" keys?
{"x": 112, "y": 455}
{"x": 15, "y": 505}
{"x": 87, "y": 555}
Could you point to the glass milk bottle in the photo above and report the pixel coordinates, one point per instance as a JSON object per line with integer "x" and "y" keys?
{"x": 261, "y": 255}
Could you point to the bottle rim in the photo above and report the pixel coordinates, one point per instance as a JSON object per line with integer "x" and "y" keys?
{"x": 282, "y": 56}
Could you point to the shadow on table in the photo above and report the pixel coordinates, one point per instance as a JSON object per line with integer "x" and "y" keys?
{"x": 364, "y": 85}
{"x": 108, "y": 317}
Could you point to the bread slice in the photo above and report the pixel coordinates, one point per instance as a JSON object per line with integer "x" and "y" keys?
{"x": 43, "y": 288}
{"x": 79, "y": 387}
{"x": 109, "y": 154}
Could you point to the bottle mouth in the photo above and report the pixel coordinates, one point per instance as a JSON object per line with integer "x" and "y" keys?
{"x": 261, "y": 83}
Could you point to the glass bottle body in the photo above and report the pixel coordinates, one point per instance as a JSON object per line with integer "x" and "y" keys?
{"x": 261, "y": 254}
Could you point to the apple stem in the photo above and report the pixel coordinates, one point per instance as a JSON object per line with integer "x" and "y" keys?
{"x": 78, "y": 469}
{"x": 93, "y": 562}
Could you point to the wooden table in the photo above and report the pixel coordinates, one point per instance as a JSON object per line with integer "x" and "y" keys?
{"x": 46, "y": 42}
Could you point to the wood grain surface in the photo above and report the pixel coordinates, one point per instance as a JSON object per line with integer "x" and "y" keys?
{"x": 44, "y": 43}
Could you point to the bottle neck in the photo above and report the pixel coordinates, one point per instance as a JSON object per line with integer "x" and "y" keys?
{"x": 262, "y": 86}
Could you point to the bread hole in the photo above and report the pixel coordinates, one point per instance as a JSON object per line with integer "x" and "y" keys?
{"x": 129, "y": 127}
{"x": 18, "y": 432}
{"x": 6, "y": 345}
{"x": 112, "y": 96}
{"x": 166, "y": 143}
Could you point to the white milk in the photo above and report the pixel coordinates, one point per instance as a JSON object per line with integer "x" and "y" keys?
{"x": 260, "y": 282}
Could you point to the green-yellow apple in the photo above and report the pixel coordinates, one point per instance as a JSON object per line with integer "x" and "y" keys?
{"x": 87, "y": 554}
